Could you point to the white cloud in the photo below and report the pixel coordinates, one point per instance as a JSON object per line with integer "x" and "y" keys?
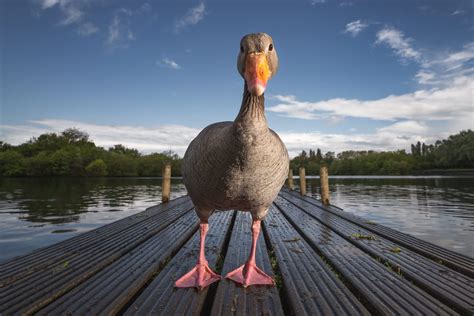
{"x": 145, "y": 139}
{"x": 71, "y": 10}
{"x": 459, "y": 57}
{"x": 168, "y": 63}
{"x": 192, "y": 17}
{"x": 405, "y": 128}
{"x": 114, "y": 32}
{"x": 87, "y": 29}
{"x": 443, "y": 68}
{"x": 443, "y": 106}
{"x": 458, "y": 12}
{"x": 346, "y": 4}
{"x": 119, "y": 32}
{"x": 425, "y": 77}
{"x": 49, "y": 3}
{"x": 355, "y": 27}
{"x": 177, "y": 137}
{"x": 144, "y": 8}
{"x": 397, "y": 136}
{"x": 393, "y": 137}
{"x": 72, "y": 14}
{"x": 447, "y": 103}
{"x": 398, "y": 42}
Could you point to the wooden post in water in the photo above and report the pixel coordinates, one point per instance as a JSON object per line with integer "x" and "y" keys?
{"x": 290, "y": 179}
{"x": 166, "y": 184}
{"x": 324, "y": 179}
{"x": 302, "y": 181}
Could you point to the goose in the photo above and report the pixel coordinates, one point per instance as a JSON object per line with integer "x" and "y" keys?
{"x": 239, "y": 165}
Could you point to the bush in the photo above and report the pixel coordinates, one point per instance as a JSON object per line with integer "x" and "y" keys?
{"x": 97, "y": 168}
{"x": 11, "y": 163}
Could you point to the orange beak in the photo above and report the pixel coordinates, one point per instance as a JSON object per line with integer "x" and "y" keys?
{"x": 257, "y": 73}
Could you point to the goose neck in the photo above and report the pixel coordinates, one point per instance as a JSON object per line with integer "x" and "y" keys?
{"x": 252, "y": 110}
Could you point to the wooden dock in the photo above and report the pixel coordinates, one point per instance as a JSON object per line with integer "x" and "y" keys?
{"x": 325, "y": 262}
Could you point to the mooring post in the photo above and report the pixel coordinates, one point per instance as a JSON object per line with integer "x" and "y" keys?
{"x": 324, "y": 179}
{"x": 290, "y": 179}
{"x": 166, "y": 184}
{"x": 302, "y": 181}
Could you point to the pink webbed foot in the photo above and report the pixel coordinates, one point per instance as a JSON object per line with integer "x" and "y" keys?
{"x": 200, "y": 277}
{"x": 250, "y": 274}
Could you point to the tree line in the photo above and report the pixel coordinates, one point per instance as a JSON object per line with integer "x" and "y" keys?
{"x": 455, "y": 152}
{"x": 72, "y": 153}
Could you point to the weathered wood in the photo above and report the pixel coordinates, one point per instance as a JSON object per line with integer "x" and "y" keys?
{"x": 324, "y": 184}
{"x": 311, "y": 288}
{"x": 290, "y": 179}
{"x": 161, "y": 297}
{"x": 449, "y": 258}
{"x": 324, "y": 261}
{"x": 112, "y": 288}
{"x": 42, "y": 258}
{"x": 302, "y": 181}
{"x": 166, "y": 183}
{"x": 385, "y": 292}
{"x": 35, "y": 291}
{"x": 255, "y": 300}
{"x": 450, "y": 287}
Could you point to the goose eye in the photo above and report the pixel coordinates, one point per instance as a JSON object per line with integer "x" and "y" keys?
{"x": 241, "y": 48}
{"x": 270, "y": 48}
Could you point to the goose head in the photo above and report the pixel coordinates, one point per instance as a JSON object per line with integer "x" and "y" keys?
{"x": 257, "y": 61}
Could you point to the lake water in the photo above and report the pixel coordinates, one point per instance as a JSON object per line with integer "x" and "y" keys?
{"x": 38, "y": 212}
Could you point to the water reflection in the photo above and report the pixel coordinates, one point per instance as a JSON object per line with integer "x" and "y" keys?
{"x": 437, "y": 209}
{"x": 39, "y": 212}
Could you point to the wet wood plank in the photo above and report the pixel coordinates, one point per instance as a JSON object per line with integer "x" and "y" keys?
{"x": 232, "y": 299}
{"x": 322, "y": 267}
{"x": 40, "y": 259}
{"x": 454, "y": 260}
{"x": 385, "y": 292}
{"x": 311, "y": 288}
{"x": 111, "y": 289}
{"x": 452, "y": 288}
{"x": 161, "y": 297}
{"x": 31, "y": 293}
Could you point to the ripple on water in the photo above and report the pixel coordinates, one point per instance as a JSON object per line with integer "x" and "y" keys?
{"x": 39, "y": 212}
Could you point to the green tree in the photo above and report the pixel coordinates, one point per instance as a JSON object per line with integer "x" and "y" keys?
{"x": 39, "y": 165}
{"x": 96, "y": 168}
{"x": 121, "y": 149}
{"x": 11, "y": 163}
{"x": 73, "y": 135}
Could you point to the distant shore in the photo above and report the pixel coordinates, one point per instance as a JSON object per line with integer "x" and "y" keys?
{"x": 445, "y": 172}
{"x": 419, "y": 173}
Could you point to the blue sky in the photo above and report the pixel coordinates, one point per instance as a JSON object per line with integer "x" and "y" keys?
{"x": 357, "y": 75}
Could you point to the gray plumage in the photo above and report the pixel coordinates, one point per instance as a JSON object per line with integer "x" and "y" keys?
{"x": 242, "y": 164}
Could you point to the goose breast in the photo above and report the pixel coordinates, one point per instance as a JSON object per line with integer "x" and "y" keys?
{"x": 227, "y": 167}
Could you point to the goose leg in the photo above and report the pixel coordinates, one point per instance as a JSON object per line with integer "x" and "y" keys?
{"x": 249, "y": 273}
{"x": 201, "y": 275}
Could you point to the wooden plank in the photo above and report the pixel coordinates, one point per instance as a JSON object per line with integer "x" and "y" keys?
{"x": 454, "y": 260}
{"x": 111, "y": 289}
{"x": 42, "y": 258}
{"x": 385, "y": 292}
{"x": 254, "y": 300}
{"x": 452, "y": 288}
{"x": 161, "y": 297}
{"x": 35, "y": 291}
{"x": 310, "y": 287}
